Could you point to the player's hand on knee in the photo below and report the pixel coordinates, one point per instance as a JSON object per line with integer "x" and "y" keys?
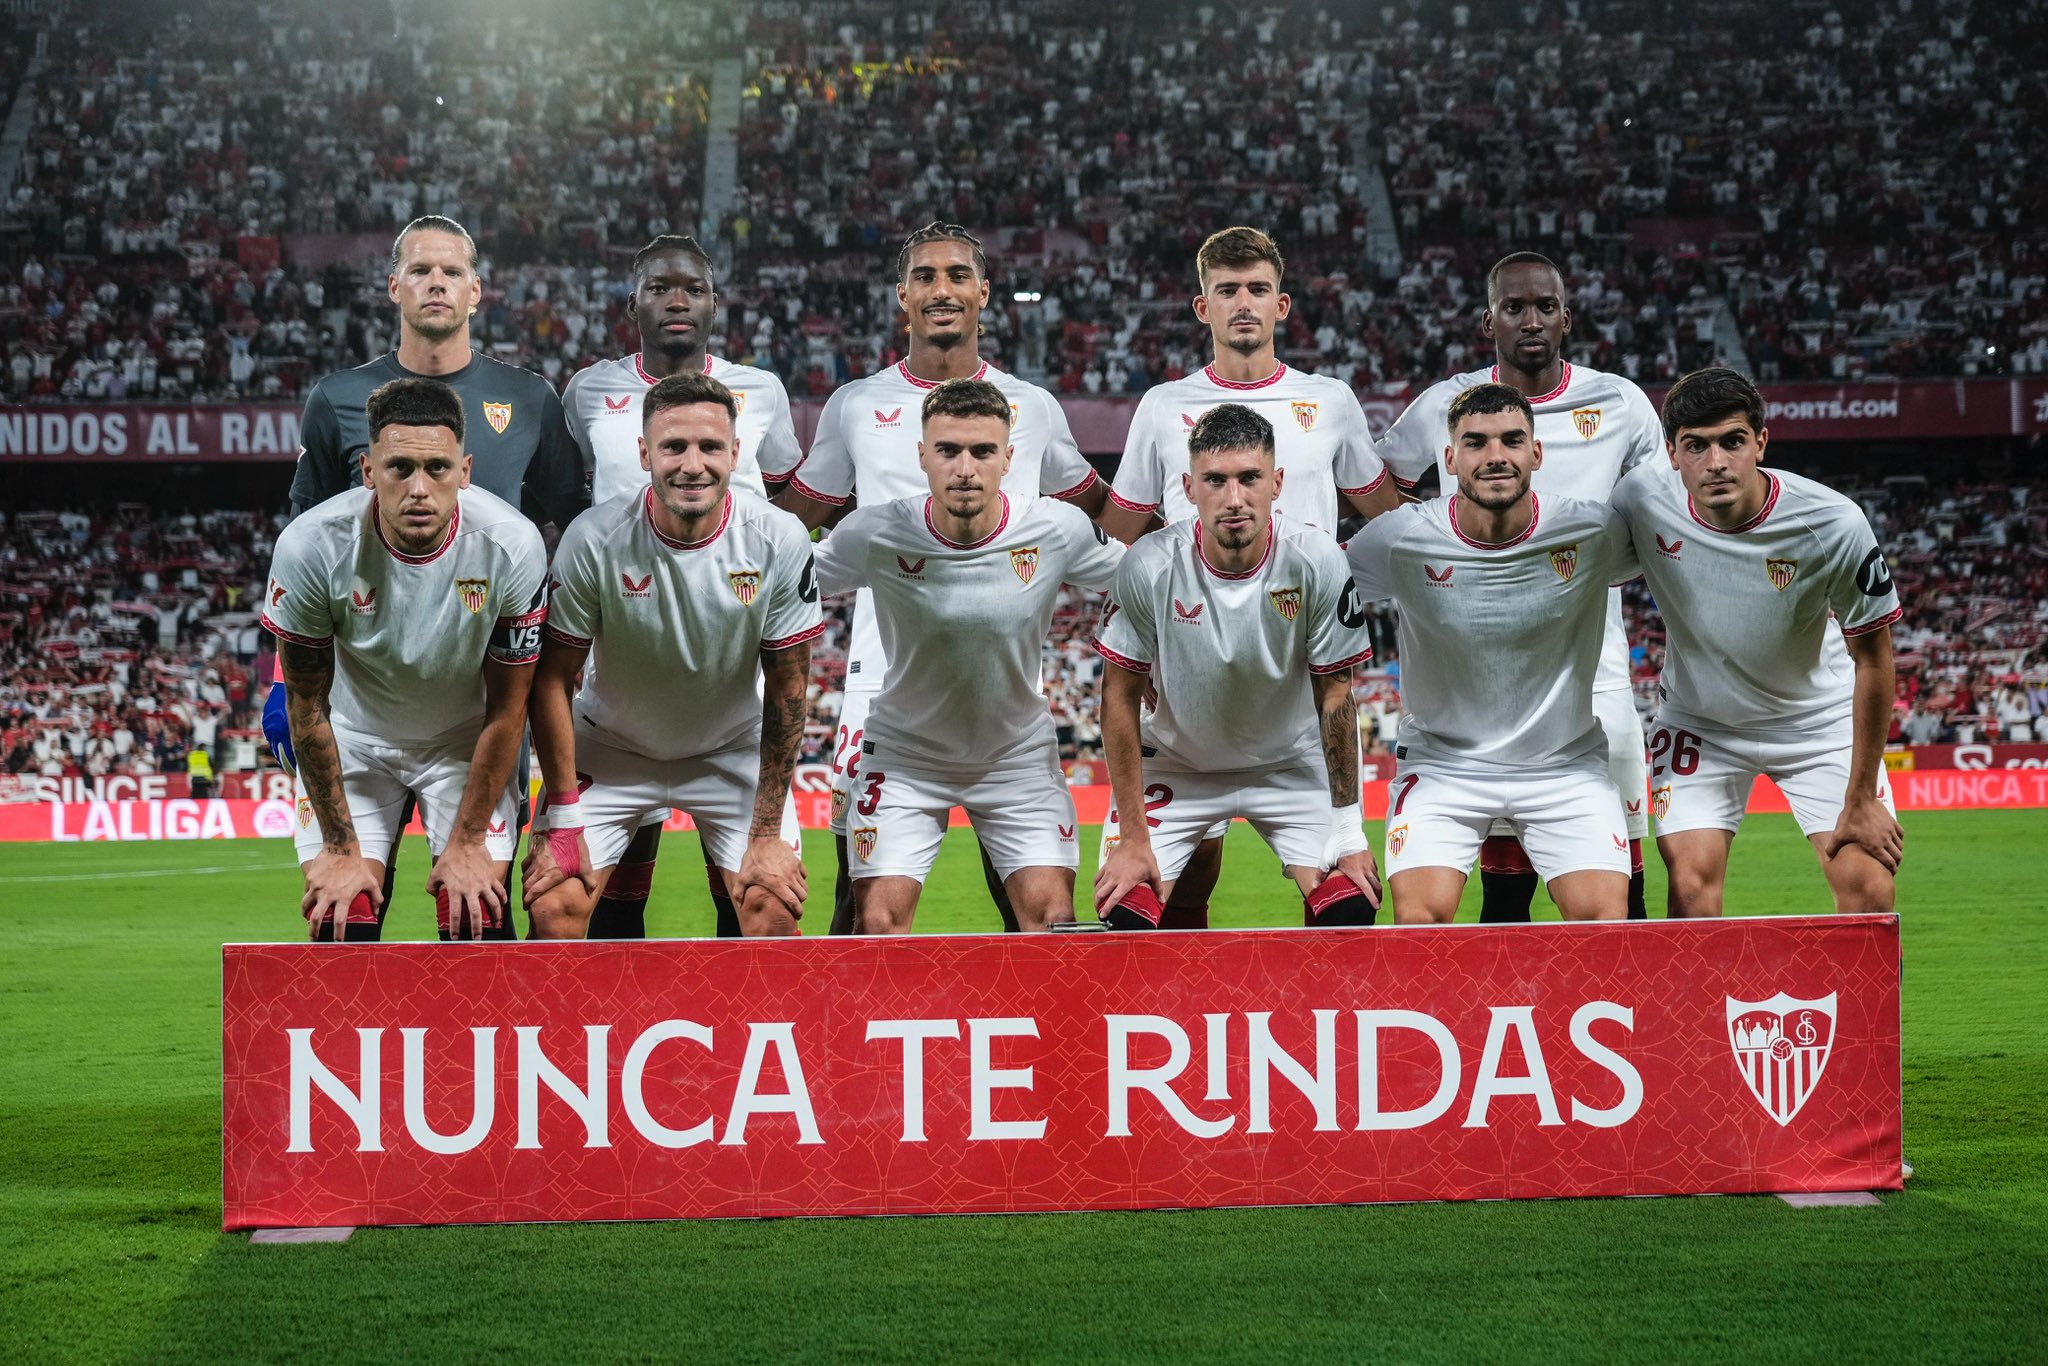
{"x": 554, "y": 857}
{"x": 1867, "y": 823}
{"x": 1130, "y": 866}
{"x": 339, "y": 887}
{"x": 467, "y": 894}
{"x": 1363, "y": 871}
{"x": 771, "y": 867}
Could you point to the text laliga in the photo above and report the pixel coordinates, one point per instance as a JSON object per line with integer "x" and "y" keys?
{"x": 1264, "y": 1058}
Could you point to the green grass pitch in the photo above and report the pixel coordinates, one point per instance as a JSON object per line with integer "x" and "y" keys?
{"x": 110, "y": 1246}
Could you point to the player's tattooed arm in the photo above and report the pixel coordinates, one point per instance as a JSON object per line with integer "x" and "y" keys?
{"x": 308, "y": 672}
{"x": 783, "y": 676}
{"x": 1338, "y": 717}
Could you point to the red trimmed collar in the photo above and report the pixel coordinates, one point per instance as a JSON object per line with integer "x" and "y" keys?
{"x": 1535, "y": 514}
{"x": 454, "y": 525}
{"x": 1770, "y": 501}
{"x": 724, "y": 519}
{"x": 941, "y": 537}
{"x": 903, "y": 369}
{"x": 641, "y": 369}
{"x": 1226, "y": 574}
{"x": 1563, "y": 384}
{"x": 1279, "y": 370}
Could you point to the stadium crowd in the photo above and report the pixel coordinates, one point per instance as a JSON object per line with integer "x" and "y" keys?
{"x": 1675, "y": 168}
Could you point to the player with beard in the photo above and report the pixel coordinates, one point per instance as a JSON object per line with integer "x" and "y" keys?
{"x": 675, "y": 306}
{"x": 517, "y": 443}
{"x": 1594, "y": 428}
{"x": 408, "y": 616}
{"x": 1503, "y": 596}
{"x": 866, "y": 451}
{"x": 1322, "y": 443}
{"x": 1253, "y": 626}
{"x": 965, "y": 581}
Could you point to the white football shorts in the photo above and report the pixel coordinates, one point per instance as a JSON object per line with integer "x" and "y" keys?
{"x": 1622, "y": 724}
{"x": 1021, "y": 809}
{"x": 627, "y": 791}
{"x": 375, "y": 779}
{"x": 1289, "y": 807}
{"x": 1701, "y": 774}
{"x": 1569, "y": 820}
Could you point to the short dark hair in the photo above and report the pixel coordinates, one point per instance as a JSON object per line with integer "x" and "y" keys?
{"x": 1238, "y": 246}
{"x": 414, "y": 403}
{"x": 936, "y": 231}
{"x": 1230, "y": 427}
{"x": 432, "y": 222}
{"x": 1711, "y": 396}
{"x": 675, "y": 242}
{"x": 1482, "y": 399}
{"x": 680, "y": 391}
{"x": 966, "y": 398}
{"x": 1518, "y": 258}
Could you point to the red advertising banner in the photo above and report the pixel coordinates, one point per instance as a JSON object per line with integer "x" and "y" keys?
{"x": 407, "y": 1084}
{"x": 1872, "y": 410}
{"x": 1969, "y": 758}
{"x": 182, "y": 818}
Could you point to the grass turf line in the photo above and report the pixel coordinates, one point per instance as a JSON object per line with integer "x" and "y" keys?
{"x": 109, "y": 1180}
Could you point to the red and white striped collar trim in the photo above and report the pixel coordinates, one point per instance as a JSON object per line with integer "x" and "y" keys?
{"x": 1253, "y": 572}
{"x": 1770, "y": 501}
{"x": 1535, "y": 514}
{"x": 1563, "y": 384}
{"x": 641, "y": 369}
{"x": 1279, "y": 372}
{"x": 931, "y": 525}
{"x": 903, "y": 369}
{"x": 724, "y": 520}
{"x": 454, "y": 525}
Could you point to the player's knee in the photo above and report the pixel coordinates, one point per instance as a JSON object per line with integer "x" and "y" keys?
{"x": 763, "y": 915}
{"x": 1866, "y": 889}
{"x": 563, "y": 913}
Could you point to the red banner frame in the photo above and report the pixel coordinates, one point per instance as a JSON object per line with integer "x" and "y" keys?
{"x": 1057, "y": 1072}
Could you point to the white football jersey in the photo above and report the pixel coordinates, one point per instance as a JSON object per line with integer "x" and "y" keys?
{"x": 1755, "y": 616}
{"x": 1499, "y": 643}
{"x": 1594, "y": 428}
{"x": 1232, "y": 653}
{"x": 866, "y": 449}
{"x": 1320, "y": 438}
{"x": 964, "y": 626}
{"x": 602, "y": 405}
{"x": 409, "y": 632}
{"x": 675, "y": 629}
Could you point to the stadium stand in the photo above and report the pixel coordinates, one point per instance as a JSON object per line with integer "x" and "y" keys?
{"x": 1834, "y": 194}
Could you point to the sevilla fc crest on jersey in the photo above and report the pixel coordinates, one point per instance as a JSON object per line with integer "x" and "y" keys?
{"x": 1304, "y": 414}
{"x": 1565, "y": 560}
{"x": 1781, "y": 1048}
{"x": 1025, "y": 562}
{"x": 1397, "y": 839}
{"x": 1660, "y": 801}
{"x": 1287, "y": 602}
{"x": 864, "y": 843}
{"x": 1781, "y": 572}
{"x": 746, "y": 585}
{"x": 474, "y": 593}
{"x": 1587, "y": 420}
{"x": 499, "y": 415}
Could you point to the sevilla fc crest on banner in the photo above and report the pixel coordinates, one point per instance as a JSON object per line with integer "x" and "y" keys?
{"x": 1025, "y": 562}
{"x": 746, "y": 584}
{"x": 1781, "y": 1048}
{"x": 473, "y": 592}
